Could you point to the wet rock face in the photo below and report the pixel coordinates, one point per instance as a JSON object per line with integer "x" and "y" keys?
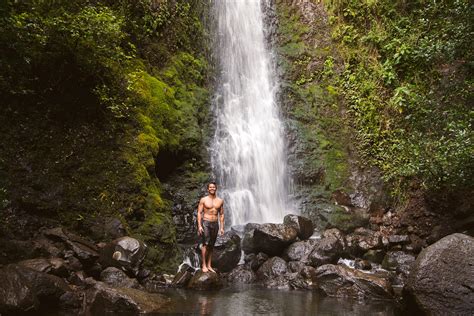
{"x": 255, "y": 261}
{"x": 299, "y": 251}
{"x": 183, "y": 276}
{"x": 124, "y": 252}
{"x": 117, "y": 278}
{"x": 205, "y": 281}
{"x": 271, "y": 239}
{"x": 342, "y": 281}
{"x": 55, "y": 266}
{"x": 104, "y": 300}
{"x": 241, "y": 275}
{"x": 227, "y": 252}
{"x": 23, "y": 289}
{"x": 327, "y": 250}
{"x": 304, "y": 226}
{"x": 398, "y": 261}
{"x": 363, "y": 240}
{"x": 272, "y": 268}
{"x": 441, "y": 280}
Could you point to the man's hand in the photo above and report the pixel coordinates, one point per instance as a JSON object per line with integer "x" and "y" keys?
{"x": 221, "y": 231}
{"x": 200, "y": 230}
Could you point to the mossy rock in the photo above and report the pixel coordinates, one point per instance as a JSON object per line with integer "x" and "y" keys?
{"x": 335, "y": 216}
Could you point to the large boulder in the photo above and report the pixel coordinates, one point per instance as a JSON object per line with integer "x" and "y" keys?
{"x": 124, "y": 253}
{"x": 304, "y": 226}
{"x": 342, "y": 281}
{"x": 272, "y": 268}
{"x": 84, "y": 250}
{"x": 23, "y": 289}
{"x": 363, "y": 240}
{"x": 271, "y": 239}
{"x": 117, "y": 278}
{"x": 227, "y": 252}
{"x": 327, "y": 250}
{"x": 55, "y": 266}
{"x": 299, "y": 251}
{"x": 205, "y": 281}
{"x": 105, "y": 300}
{"x": 441, "y": 281}
{"x": 241, "y": 275}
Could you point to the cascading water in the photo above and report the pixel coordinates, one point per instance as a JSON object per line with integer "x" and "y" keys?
{"x": 248, "y": 152}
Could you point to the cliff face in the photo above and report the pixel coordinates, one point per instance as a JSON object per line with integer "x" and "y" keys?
{"x": 347, "y": 144}
{"x": 101, "y": 104}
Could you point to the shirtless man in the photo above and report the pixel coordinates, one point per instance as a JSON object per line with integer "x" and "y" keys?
{"x": 211, "y": 208}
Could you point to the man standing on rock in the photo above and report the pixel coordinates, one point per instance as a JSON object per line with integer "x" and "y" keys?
{"x": 211, "y": 208}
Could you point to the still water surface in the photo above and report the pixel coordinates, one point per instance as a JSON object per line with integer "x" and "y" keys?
{"x": 252, "y": 300}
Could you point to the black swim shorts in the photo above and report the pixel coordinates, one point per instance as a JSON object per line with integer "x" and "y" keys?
{"x": 209, "y": 235}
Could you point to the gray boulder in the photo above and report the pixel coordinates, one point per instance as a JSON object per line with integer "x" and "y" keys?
{"x": 205, "y": 281}
{"x": 124, "y": 253}
{"x": 299, "y": 251}
{"x": 271, "y": 239}
{"x": 342, "y": 281}
{"x": 241, "y": 275}
{"x": 105, "y": 300}
{"x": 363, "y": 240}
{"x": 117, "y": 278}
{"x": 55, "y": 266}
{"x": 304, "y": 227}
{"x": 25, "y": 290}
{"x": 327, "y": 250}
{"x": 227, "y": 252}
{"x": 272, "y": 268}
{"x": 441, "y": 281}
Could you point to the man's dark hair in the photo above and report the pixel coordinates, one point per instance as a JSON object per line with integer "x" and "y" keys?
{"x": 212, "y": 182}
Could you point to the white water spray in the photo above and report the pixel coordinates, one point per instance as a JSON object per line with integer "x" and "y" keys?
{"x": 248, "y": 152}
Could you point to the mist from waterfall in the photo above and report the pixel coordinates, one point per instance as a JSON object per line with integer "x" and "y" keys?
{"x": 248, "y": 151}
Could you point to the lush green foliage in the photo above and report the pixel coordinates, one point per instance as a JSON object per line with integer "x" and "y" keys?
{"x": 94, "y": 93}
{"x": 407, "y": 81}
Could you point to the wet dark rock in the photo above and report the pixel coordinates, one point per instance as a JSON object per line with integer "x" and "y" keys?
{"x": 375, "y": 256}
{"x": 327, "y": 250}
{"x": 305, "y": 279}
{"x": 71, "y": 303}
{"x": 398, "y": 261}
{"x": 23, "y": 289}
{"x": 45, "y": 247}
{"x": 241, "y": 275}
{"x": 256, "y": 260}
{"x": 362, "y": 264}
{"x": 342, "y": 281}
{"x": 441, "y": 280}
{"x": 205, "y": 281}
{"x": 154, "y": 283}
{"x": 124, "y": 252}
{"x": 304, "y": 226}
{"x": 398, "y": 240}
{"x": 281, "y": 282}
{"x": 77, "y": 278}
{"x": 84, "y": 250}
{"x": 105, "y": 300}
{"x": 271, "y": 239}
{"x": 55, "y": 266}
{"x": 299, "y": 251}
{"x": 272, "y": 268}
{"x": 117, "y": 278}
{"x": 184, "y": 275}
{"x": 296, "y": 266}
{"x": 363, "y": 240}
{"x": 227, "y": 252}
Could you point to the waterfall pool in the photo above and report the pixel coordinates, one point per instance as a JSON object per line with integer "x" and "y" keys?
{"x": 255, "y": 300}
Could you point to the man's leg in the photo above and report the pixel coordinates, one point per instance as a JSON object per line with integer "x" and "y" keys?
{"x": 209, "y": 257}
{"x": 204, "y": 259}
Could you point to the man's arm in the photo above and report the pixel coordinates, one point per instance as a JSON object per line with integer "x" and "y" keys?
{"x": 222, "y": 219}
{"x": 199, "y": 219}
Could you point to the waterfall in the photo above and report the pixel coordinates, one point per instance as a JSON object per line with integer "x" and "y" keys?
{"x": 248, "y": 150}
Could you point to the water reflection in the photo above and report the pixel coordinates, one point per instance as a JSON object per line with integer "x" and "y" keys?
{"x": 253, "y": 300}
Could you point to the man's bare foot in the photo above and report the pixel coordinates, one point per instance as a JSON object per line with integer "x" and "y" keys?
{"x": 204, "y": 269}
{"x": 211, "y": 269}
